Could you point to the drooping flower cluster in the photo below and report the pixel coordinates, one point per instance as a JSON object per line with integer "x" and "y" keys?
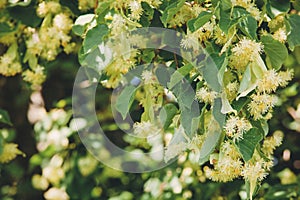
{"x": 9, "y": 152}
{"x": 235, "y": 127}
{"x": 263, "y": 101}
{"x": 42, "y": 42}
{"x": 271, "y": 80}
{"x": 227, "y": 164}
{"x": 243, "y": 52}
{"x": 9, "y": 62}
{"x": 206, "y": 95}
{"x": 36, "y": 77}
{"x": 145, "y": 129}
{"x": 47, "y": 41}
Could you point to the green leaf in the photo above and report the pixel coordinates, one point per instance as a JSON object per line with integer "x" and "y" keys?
{"x": 264, "y": 126}
{"x": 294, "y": 37}
{"x": 147, "y": 16}
{"x": 246, "y": 23}
{"x": 296, "y": 4}
{"x": 218, "y": 115}
{"x": 163, "y": 75}
{"x": 167, "y": 114}
{"x": 147, "y": 55}
{"x": 1, "y": 144}
{"x": 94, "y": 37}
{"x": 225, "y": 12}
{"x": 249, "y": 142}
{"x": 6, "y": 29}
{"x": 210, "y": 74}
{"x": 90, "y": 59}
{"x": 222, "y": 69}
{"x": 276, "y": 52}
{"x": 172, "y": 40}
{"x": 202, "y": 119}
{"x": 26, "y": 14}
{"x": 261, "y": 125}
{"x": 125, "y": 100}
{"x": 103, "y": 6}
{"x": 179, "y": 136}
{"x": 81, "y": 23}
{"x": 170, "y": 11}
{"x": 179, "y": 74}
{"x": 212, "y": 138}
{"x": 189, "y": 119}
{"x": 226, "y": 107}
{"x": 198, "y": 22}
{"x": 4, "y": 117}
{"x": 72, "y": 5}
{"x": 185, "y": 96}
{"x": 258, "y": 67}
{"x": 190, "y": 110}
{"x": 239, "y": 104}
{"x": 248, "y": 26}
{"x": 246, "y": 80}
{"x": 277, "y": 7}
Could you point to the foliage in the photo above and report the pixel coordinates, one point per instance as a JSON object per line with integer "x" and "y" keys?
{"x": 213, "y": 103}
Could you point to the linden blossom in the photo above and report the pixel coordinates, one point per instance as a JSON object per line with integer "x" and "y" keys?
{"x": 231, "y": 32}
{"x": 261, "y": 104}
{"x": 36, "y": 77}
{"x": 244, "y": 51}
{"x": 235, "y": 127}
{"x": 205, "y": 95}
{"x": 10, "y": 151}
{"x": 272, "y": 80}
{"x": 136, "y": 10}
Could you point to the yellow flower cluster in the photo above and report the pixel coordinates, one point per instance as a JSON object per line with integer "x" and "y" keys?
{"x": 231, "y": 90}
{"x": 280, "y": 35}
{"x": 193, "y": 145}
{"x": 219, "y": 36}
{"x": 10, "y": 152}
{"x": 253, "y": 172}
{"x": 53, "y": 171}
{"x": 278, "y": 28}
{"x": 136, "y": 9}
{"x": 206, "y": 95}
{"x": 227, "y": 164}
{"x": 261, "y": 104}
{"x": 9, "y": 62}
{"x": 87, "y": 164}
{"x": 36, "y": 77}
{"x": 47, "y": 41}
{"x": 243, "y": 52}
{"x": 151, "y": 95}
{"x": 235, "y": 127}
{"x": 271, "y": 142}
{"x": 145, "y": 129}
{"x": 186, "y": 12}
{"x": 271, "y": 80}
{"x": 48, "y": 7}
{"x": 263, "y": 101}
{"x": 117, "y": 68}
